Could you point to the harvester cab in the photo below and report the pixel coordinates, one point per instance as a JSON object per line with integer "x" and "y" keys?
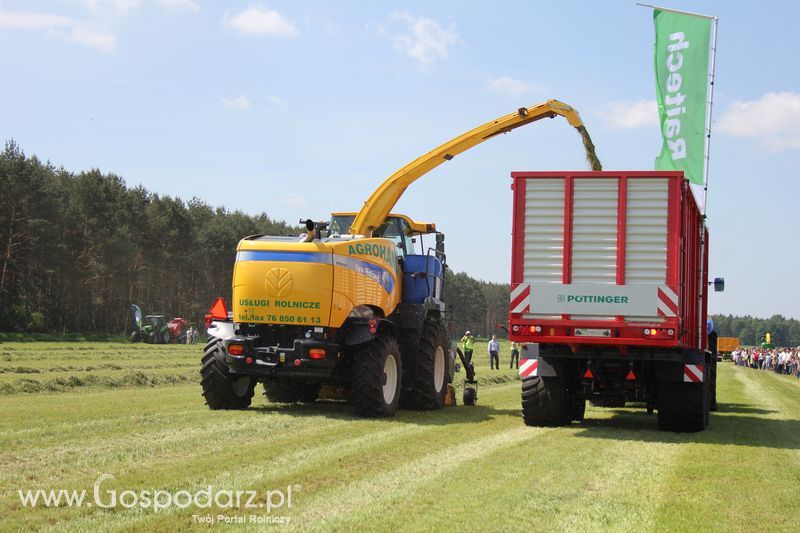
{"x": 422, "y": 268}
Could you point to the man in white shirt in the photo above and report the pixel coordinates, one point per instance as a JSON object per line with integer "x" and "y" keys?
{"x": 494, "y": 353}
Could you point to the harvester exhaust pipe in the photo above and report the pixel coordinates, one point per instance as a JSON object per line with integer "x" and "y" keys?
{"x": 311, "y": 230}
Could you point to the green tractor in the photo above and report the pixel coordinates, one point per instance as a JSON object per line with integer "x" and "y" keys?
{"x": 151, "y": 329}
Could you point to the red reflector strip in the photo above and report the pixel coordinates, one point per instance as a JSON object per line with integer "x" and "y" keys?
{"x": 693, "y": 373}
{"x": 528, "y": 367}
{"x": 316, "y": 353}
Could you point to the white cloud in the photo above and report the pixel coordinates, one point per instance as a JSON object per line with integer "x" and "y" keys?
{"x": 97, "y": 39}
{"x": 330, "y": 28}
{"x": 513, "y": 87}
{"x": 240, "y": 103}
{"x": 293, "y": 200}
{"x": 258, "y": 21}
{"x": 179, "y": 5}
{"x": 629, "y": 115}
{"x": 773, "y": 120}
{"x": 123, "y": 7}
{"x": 115, "y": 6}
{"x": 59, "y": 27}
{"x": 275, "y": 100}
{"x": 84, "y": 32}
{"x": 425, "y": 39}
{"x": 33, "y": 21}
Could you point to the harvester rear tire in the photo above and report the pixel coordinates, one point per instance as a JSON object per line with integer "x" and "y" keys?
{"x": 308, "y": 392}
{"x": 706, "y": 393}
{"x": 578, "y": 409}
{"x": 470, "y": 395}
{"x": 221, "y": 389}
{"x": 288, "y": 392}
{"x": 377, "y": 376}
{"x": 713, "y": 384}
{"x": 545, "y": 402}
{"x": 281, "y": 392}
{"x": 429, "y": 377}
{"x": 682, "y": 407}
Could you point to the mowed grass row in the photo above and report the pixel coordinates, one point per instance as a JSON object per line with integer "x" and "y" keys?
{"x": 44, "y": 354}
{"x": 46, "y": 367}
{"x": 59, "y": 366}
{"x": 459, "y": 468}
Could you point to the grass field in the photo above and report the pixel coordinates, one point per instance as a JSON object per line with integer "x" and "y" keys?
{"x": 461, "y": 468}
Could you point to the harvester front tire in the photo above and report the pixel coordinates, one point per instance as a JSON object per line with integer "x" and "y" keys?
{"x": 377, "y": 376}
{"x": 429, "y": 377}
{"x": 221, "y": 389}
{"x": 545, "y": 402}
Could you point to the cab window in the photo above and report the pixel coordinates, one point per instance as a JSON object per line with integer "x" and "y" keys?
{"x": 397, "y": 230}
{"x": 341, "y": 224}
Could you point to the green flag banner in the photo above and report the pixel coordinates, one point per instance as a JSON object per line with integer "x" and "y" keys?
{"x": 681, "y": 60}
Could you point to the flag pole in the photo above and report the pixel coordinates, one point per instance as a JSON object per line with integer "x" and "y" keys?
{"x": 715, "y": 22}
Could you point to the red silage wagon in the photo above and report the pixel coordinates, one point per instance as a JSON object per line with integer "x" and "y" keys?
{"x": 608, "y": 294}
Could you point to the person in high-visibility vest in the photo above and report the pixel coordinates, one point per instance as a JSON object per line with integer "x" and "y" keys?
{"x": 468, "y": 342}
{"x": 514, "y": 355}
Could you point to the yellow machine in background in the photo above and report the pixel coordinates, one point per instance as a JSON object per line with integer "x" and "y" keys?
{"x": 726, "y": 346}
{"x": 356, "y": 302}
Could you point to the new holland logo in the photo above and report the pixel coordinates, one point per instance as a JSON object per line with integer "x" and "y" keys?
{"x": 278, "y": 282}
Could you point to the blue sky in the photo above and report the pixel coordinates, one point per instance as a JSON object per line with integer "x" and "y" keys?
{"x": 299, "y": 108}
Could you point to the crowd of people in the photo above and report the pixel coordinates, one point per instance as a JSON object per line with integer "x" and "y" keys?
{"x": 778, "y": 360}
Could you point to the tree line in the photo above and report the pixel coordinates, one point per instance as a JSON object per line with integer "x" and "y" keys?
{"x": 77, "y": 249}
{"x": 752, "y": 331}
{"x": 475, "y": 305}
